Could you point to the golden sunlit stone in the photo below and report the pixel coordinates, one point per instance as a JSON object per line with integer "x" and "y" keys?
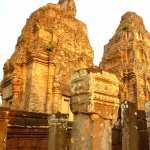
{"x": 127, "y": 56}
{"x": 53, "y": 44}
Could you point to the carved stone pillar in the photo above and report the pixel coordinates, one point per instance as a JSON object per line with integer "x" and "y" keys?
{"x": 57, "y": 97}
{"x": 129, "y": 108}
{"x": 95, "y": 105}
{"x": 58, "y": 132}
{"x": 147, "y": 110}
{"x": 130, "y": 131}
{"x": 51, "y": 74}
{"x": 16, "y": 93}
{"x": 37, "y": 82}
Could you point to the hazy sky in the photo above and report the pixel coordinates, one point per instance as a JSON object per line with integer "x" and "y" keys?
{"x": 101, "y": 16}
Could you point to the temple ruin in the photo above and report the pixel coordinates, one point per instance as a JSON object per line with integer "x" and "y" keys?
{"x": 54, "y": 98}
{"x": 53, "y": 44}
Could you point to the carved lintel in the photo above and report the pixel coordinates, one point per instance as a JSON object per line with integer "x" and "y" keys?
{"x": 95, "y": 92}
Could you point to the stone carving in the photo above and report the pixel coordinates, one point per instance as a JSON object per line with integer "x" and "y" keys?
{"x": 127, "y": 53}
{"x": 91, "y": 93}
{"x": 53, "y": 44}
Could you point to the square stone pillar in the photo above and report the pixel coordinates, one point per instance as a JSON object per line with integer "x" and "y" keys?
{"x": 36, "y": 86}
{"x": 95, "y": 105}
{"x": 58, "y": 132}
{"x": 147, "y": 110}
{"x": 130, "y": 131}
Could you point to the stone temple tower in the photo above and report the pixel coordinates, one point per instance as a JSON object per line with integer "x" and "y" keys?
{"x": 53, "y": 44}
{"x": 128, "y": 56}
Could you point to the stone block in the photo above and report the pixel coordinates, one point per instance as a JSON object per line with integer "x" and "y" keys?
{"x": 95, "y": 91}
{"x": 147, "y": 110}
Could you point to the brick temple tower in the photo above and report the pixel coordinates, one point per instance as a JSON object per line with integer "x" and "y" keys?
{"x": 53, "y": 44}
{"x": 127, "y": 55}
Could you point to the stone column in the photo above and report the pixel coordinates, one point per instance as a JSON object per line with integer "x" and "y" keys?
{"x": 16, "y": 93}
{"x": 37, "y": 82}
{"x": 3, "y": 129}
{"x": 130, "y": 133}
{"x": 95, "y": 105}
{"x": 51, "y": 75}
{"x": 147, "y": 110}
{"x": 129, "y": 97}
{"x": 57, "y": 97}
{"x": 58, "y": 132}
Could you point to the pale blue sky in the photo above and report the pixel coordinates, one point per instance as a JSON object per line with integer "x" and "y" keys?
{"x": 101, "y": 16}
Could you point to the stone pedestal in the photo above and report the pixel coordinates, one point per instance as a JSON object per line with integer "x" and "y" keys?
{"x": 95, "y": 104}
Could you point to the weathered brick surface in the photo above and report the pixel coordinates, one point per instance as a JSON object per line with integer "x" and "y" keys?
{"x": 32, "y": 131}
{"x": 27, "y": 138}
{"x": 3, "y": 133}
